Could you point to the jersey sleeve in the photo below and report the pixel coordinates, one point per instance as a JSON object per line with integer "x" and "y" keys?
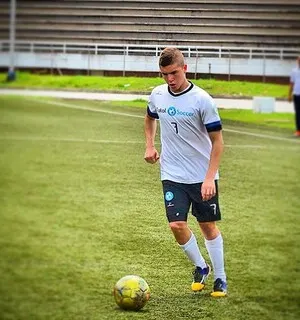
{"x": 151, "y": 110}
{"x": 210, "y": 115}
{"x": 292, "y": 77}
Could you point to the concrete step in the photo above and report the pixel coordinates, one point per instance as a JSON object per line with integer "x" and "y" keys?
{"x": 187, "y": 2}
{"x": 190, "y": 30}
{"x": 155, "y": 12}
{"x": 164, "y": 4}
{"x": 239, "y": 43}
{"x": 242, "y": 21}
{"x": 148, "y": 37}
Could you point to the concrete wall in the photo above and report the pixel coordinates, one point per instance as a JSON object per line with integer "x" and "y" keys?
{"x": 105, "y": 62}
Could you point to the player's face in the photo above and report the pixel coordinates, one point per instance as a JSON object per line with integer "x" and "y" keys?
{"x": 174, "y": 75}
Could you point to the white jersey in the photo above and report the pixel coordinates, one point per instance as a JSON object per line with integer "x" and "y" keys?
{"x": 295, "y": 79}
{"x": 185, "y": 120}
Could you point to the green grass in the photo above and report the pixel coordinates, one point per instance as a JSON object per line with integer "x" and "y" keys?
{"x": 134, "y": 84}
{"x": 80, "y": 208}
{"x": 278, "y": 121}
{"x": 275, "y": 120}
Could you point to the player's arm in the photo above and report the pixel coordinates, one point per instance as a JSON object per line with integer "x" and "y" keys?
{"x": 150, "y": 127}
{"x": 291, "y": 87}
{"x": 208, "y": 189}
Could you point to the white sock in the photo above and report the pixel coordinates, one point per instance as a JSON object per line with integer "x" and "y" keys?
{"x": 192, "y": 251}
{"x": 216, "y": 254}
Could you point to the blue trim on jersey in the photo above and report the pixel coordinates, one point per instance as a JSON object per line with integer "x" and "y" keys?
{"x": 214, "y": 126}
{"x": 152, "y": 114}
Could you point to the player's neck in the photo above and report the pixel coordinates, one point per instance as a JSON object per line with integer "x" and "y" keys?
{"x": 182, "y": 88}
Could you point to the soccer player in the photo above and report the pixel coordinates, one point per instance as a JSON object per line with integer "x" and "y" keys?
{"x": 294, "y": 94}
{"x": 191, "y": 148}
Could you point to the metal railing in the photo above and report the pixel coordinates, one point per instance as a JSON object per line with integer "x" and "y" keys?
{"x": 149, "y": 50}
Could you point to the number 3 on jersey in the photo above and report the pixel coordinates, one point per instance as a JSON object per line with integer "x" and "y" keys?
{"x": 175, "y": 126}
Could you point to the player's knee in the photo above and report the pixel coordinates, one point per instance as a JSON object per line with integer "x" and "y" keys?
{"x": 178, "y": 226}
{"x": 209, "y": 230}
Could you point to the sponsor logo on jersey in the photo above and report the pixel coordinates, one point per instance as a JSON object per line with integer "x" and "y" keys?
{"x": 172, "y": 111}
{"x": 161, "y": 110}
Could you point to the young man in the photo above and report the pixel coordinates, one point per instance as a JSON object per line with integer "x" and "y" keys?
{"x": 191, "y": 148}
{"x": 294, "y": 94}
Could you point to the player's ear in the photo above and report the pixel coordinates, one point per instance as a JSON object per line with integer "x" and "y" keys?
{"x": 185, "y": 68}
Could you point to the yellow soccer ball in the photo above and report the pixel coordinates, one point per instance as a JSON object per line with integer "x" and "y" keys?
{"x": 131, "y": 293}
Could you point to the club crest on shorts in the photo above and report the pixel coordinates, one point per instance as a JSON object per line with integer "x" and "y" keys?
{"x": 169, "y": 195}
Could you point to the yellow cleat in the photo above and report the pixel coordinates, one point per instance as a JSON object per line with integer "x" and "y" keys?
{"x": 217, "y": 294}
{"x": 196, "y": 286}
{"x": 200, "y": 275}
{"x": 220, "y": 288}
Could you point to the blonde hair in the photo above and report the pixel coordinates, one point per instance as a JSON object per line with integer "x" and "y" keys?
{"x": 170, "y": 56}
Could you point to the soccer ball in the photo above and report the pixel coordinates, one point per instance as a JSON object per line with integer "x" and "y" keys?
{"x": 131, "y": 293}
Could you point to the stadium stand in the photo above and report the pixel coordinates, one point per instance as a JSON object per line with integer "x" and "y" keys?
{"x": 237, "y": 23}
{"x": 225, "y": 38}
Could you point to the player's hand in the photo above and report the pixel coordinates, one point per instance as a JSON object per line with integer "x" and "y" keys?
{"x": 208, "y": 189}
{"x": 151, "y": 155}
{"x": 290, "y": 98}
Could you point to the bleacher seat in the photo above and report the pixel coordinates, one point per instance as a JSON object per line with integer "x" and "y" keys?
{"x": 236, "y": 23}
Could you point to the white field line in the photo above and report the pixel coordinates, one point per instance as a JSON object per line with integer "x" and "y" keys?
{"x": 53, "y": 139}
{"x": 258, "y": 135}
{"x": 69, "y": 140}
{"x": 66, "y": 105}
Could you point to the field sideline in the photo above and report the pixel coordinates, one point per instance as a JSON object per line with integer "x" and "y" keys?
{"x": 239, "y": 89}
{"x": 81, "y": 208}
